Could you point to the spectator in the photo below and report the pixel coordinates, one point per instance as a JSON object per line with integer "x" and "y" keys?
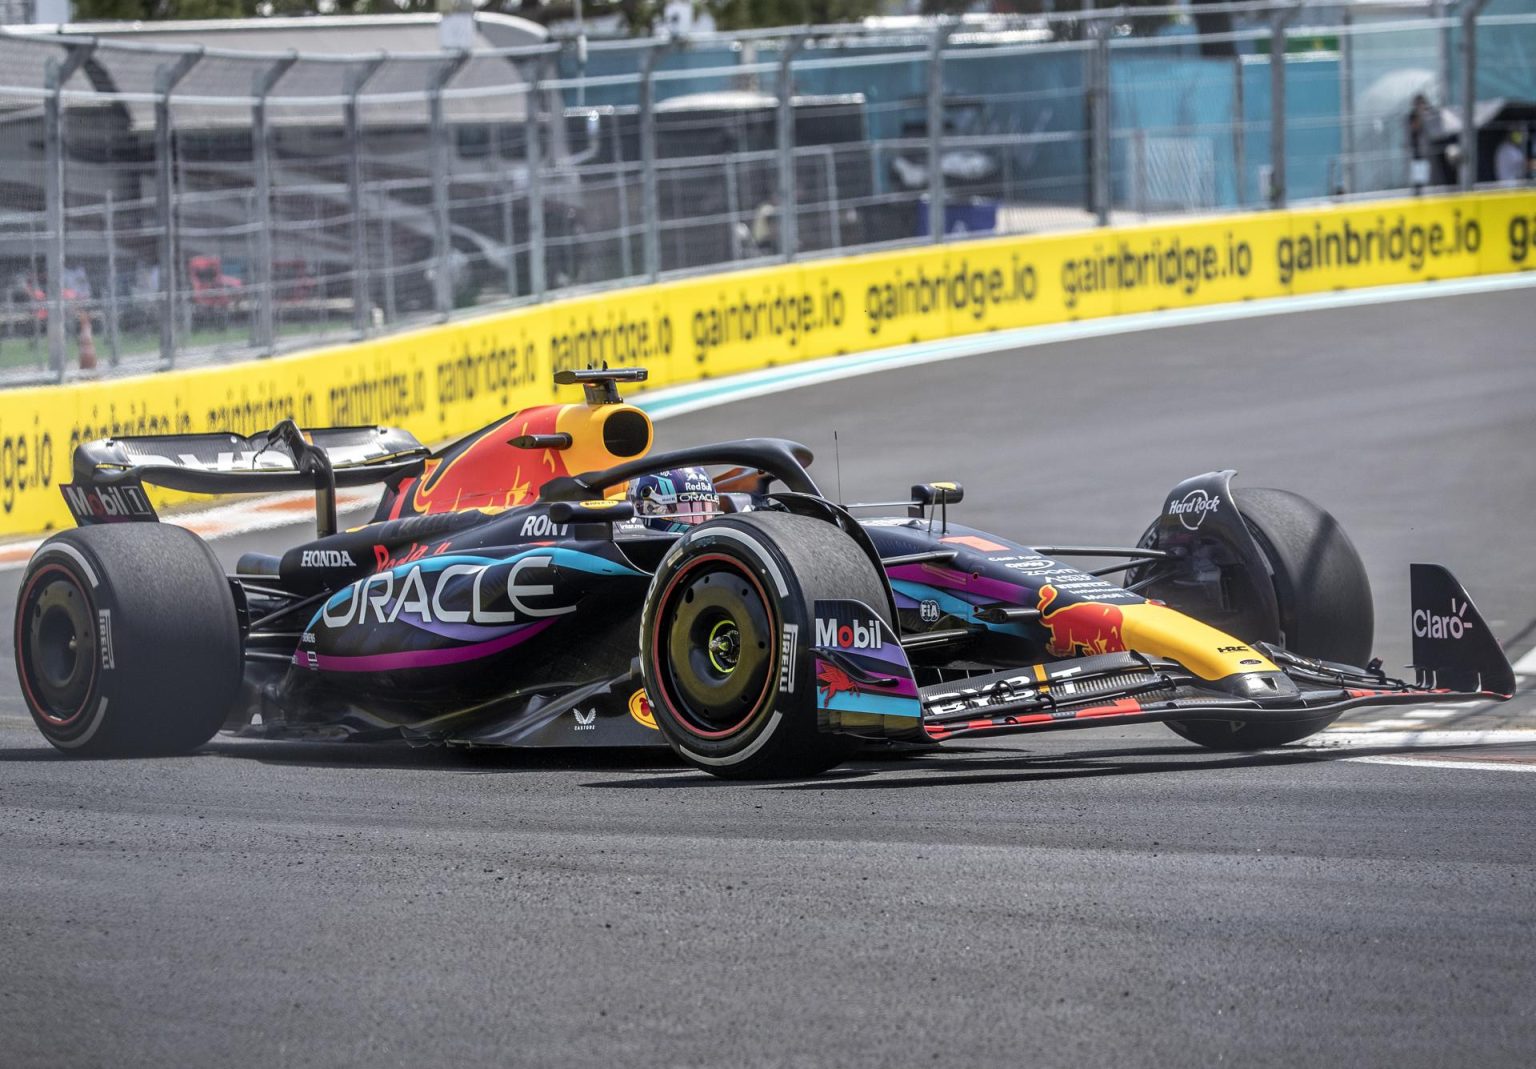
{"x": 765, "y": 226}
{"x": 1421, "y": 131}
{"x": 1510, "y": 164}
{"x": 76, "y": 279}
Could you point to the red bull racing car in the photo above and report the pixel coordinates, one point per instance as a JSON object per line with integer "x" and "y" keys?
{"x": 551, "y": 581}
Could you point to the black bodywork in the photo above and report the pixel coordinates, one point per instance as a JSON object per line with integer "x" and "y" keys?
{"x": 511, "y": 618}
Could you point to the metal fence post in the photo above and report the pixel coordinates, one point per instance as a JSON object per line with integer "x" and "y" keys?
{"x": 1278, "y": 22}
{"x": 167, "y": 77}
{"x": 651, "y": 207}
{"x": 789, "y": 200}
{"x": 538, "y": 261}
{"x": 387, "y": 251}
{"x": 941, "y": 34}
{"x": 1469, "y": 11}
{"x": 508, "y": 181}
{"x": 732, "y": 197}
{"x": 357, "y": 78}
{"x": 626, "y": 253}
{"x": 56, "y": 74}
{"x": 1099, "y": 95}
{"x": 109, "y": 233}
{"x": 1443, "y": 34}
{"x": 1239, "y": 133}
{"x": 261, "y": 159}
{"x": 1347, "y": 99}
{"x": 441, "y": 221}
{"x": 834, "y": 208}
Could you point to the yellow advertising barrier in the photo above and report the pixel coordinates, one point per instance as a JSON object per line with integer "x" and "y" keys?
{"x": 447, "y": 380}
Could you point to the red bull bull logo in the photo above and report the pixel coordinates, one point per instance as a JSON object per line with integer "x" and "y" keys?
{"x": 1081, "y": 629}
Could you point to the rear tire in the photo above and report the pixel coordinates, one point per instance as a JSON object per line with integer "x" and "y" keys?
{"x": 127, "y": 641}
{"x": 731, "y": 601}
{"x": 1324, "y": 599}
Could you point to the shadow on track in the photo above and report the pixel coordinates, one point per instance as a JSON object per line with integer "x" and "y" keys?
{"x": 920, "y": 768}
{"x": 34, "y": 753}
{"x": 952, "y": 768}
{"x": 385, "y": 755}
{"x": 958, "y": 768}
{"x": 399, "y": 755}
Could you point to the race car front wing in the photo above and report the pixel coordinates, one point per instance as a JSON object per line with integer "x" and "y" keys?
{"x": 871, "y": 689}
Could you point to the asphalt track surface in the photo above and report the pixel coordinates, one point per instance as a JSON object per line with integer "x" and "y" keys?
{"x": 1067, "y": 899}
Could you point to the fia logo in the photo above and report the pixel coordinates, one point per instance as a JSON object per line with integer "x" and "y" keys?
{"x": 928, "y": 612}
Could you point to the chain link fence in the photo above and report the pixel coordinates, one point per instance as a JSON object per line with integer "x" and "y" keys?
{"x": 162, "y": 205}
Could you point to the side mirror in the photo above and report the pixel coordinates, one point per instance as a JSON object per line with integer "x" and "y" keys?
{"x": 941, "y": 494}
{"x": 938, "y": 493}
{"x": 600, "y": 510}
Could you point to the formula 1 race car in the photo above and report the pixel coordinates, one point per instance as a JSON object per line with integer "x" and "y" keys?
{"x": 550, "y": 581}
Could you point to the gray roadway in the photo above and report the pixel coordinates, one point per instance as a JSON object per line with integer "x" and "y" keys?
{"x": 1066, "y": 899}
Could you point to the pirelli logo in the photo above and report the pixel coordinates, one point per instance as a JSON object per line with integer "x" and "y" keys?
{"x": 788, "y": 646}
{"x": 104, "y": 639}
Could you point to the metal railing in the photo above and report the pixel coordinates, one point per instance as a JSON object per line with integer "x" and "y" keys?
{"x": 165, "y": 205}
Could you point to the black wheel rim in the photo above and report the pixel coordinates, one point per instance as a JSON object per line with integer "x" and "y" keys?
{"x": 716, "y": 647}
{"x": 59, "y": 654}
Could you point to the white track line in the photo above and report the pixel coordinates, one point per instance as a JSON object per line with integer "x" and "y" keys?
{"x": 1440, "y": 741}
{"x": 1445, "y": 762}
{"x": 1353, "y": 737}
{"x": 1526, "y": 666}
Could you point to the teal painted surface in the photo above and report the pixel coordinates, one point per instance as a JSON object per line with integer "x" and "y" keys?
{"x": 1314, "y": 130}
{"x": 1194, "y": 98}
{"x": 1507, "y": 54}
{"x": 1044, "y": 92}
{"x": 1172, "y": 98}
{"x": 1167, "y": 90}
{"x": 607, "y": 63}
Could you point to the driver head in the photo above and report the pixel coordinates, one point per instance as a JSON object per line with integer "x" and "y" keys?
{"x": 674, "y": 500}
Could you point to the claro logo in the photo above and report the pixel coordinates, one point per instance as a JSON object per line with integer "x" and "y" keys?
{"x": 858, "y": 635}
{"x": 1428, "y": 625}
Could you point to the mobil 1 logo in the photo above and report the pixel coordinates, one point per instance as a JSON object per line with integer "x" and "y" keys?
{"x": 126, "y": 503}
{"x": 848, "y": 626}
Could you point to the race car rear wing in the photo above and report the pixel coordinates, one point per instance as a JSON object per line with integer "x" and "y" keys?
{"x": 110, "y": 473}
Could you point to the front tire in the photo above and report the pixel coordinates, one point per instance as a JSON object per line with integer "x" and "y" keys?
{"x": 725, "y": 635}
{"x": 127, "y": 641}
{"x": 1324, "y": 598}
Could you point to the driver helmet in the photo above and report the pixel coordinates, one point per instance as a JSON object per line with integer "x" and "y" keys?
{"x": 674, "y": 500}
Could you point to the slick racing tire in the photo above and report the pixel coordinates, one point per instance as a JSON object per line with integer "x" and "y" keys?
{"x": 725, "y": 635}
{"x": 127, "y": 641}
{"x": 1324, "y": 599}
